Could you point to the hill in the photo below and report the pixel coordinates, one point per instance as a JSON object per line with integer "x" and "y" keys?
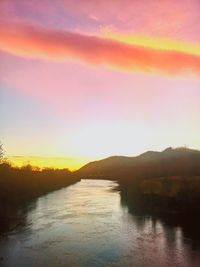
{"x": 170, "y": 162}
{"x": 153, "y": 182}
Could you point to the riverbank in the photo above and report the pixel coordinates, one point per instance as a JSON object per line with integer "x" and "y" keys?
{"x": 163, "y": 195}
{"x": 155, "y": 182}
{"x": 20, "y": 186}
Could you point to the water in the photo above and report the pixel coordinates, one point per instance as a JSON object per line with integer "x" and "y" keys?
{"x": 86, "y": 225}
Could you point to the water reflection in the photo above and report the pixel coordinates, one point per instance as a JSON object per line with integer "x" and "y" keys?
{"x": 14, "y": 217}
{"x": 90, "y": 224}
{"x": 187, "y": 225}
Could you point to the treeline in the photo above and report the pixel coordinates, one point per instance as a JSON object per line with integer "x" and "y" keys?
{"x": 176, "y": 194}
{"x": 19, "y": 185}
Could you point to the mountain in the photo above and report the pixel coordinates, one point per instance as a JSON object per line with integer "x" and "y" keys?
{"x": 169, "y": 162}
{"x": 166, "y": 182}
{"x": 153, "y": 182}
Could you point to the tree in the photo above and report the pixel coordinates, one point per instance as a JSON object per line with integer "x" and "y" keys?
{"x": 1, "y": 151}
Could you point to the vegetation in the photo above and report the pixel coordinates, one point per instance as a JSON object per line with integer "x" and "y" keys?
{"x": 1, "y": 151}
{"x": 22, "y": 184}
{"x": 19, "y": 186}
{"x": 154, "y": 182}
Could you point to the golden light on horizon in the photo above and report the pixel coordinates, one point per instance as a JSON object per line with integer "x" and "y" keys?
{"x": 48, "y": 162}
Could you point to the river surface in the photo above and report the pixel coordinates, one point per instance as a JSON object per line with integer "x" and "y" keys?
{"x": 86, "y": 225}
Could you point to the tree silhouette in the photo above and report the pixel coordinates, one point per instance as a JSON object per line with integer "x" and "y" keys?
{"x": 1, "y": 151}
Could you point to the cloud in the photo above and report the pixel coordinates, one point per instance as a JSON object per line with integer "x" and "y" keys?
{"x": 38, "y": 42}
{"x": 172, "y": 19}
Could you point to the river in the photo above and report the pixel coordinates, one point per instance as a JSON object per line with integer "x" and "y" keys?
{"x": 86, "y": 225}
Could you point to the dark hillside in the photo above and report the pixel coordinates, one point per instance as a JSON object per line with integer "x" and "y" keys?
{"x": 167, "y": 181}
{"x": 170, "y": 162}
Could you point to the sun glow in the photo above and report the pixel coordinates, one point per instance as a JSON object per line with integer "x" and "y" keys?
{"x": 48, "y": 162}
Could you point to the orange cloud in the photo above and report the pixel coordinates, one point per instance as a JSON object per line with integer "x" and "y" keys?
{"x": 37, "y": 42}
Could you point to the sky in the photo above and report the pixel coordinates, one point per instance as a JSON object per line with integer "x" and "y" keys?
{"x": 81, "y": 80}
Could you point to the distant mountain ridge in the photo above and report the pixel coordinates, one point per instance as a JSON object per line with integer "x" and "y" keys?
{"x": 171, "y": 161}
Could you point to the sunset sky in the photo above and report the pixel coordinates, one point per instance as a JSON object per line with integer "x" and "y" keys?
{"x": 85, "y": 79}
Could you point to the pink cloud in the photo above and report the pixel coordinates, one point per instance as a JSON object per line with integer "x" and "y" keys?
{"x": 153, "y": 17}
{"x": 39, "y": 42}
